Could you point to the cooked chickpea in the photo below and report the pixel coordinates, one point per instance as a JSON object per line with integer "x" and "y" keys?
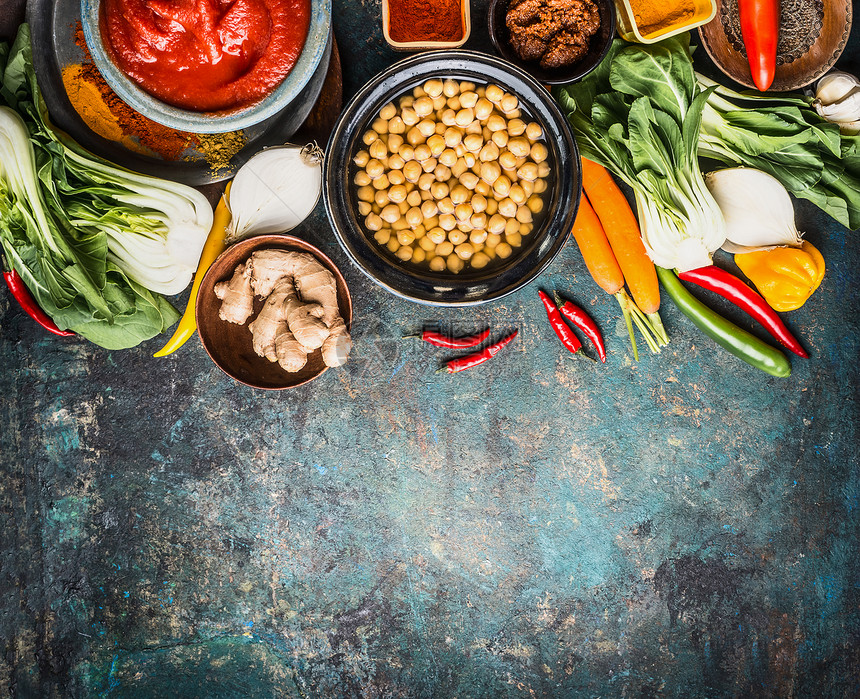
{"x": 524, "y": 214}
{"x": 468, "y": 99}
{"x": 407, "y": 152}
{"x": 390, "y": 213}
{"x": 450, "y": 88}
{"x": 526, "y": 228}
{"x": 496, "y": 122}
{"x": 448, "y": 157}
{"x": 528, "y": 171}
{"x": 426, "y": 244}
{"x": 453, "y": 136}
{"x": 413, "y": 216}
{"x": 539, "y": 186}
{"x": 382, "y": 236}
{"x": 504, "y": 250}
{"x": 517, "y": 193}
{"x": 519, "y": 146}
{"x": 380, "y": 126}
{"x": 361, "y": 178}
{"x": 468, "y": 180}
{"x": 374, "y": 222}
{"x": 502, "y": 186}
{"x": 414, "y": 136}
{"x": 470, "y": 159}
{"x": 456, "y": 237}
{"x": 397, "y": 194}
{"x": 439, "y": 190}
{"x": 479, "y": 260}
{"x": 516, "y": 127}
{"x": 396, "y": 177}
{"x": 444, "y": 248}
{"x": 396, "y": 126}
{"x": 380, "y": 199}
{"x": 405, "y": 237}
{"x": 414, "y": 198}
{"x": 494, "y": 93}
{"x": 446, "y": 206}
{"x": 490, "y": 172}
{"x": 515, "y": 240}
{"x": 404, "y": 253}
{"x": 437, "y": 264}
{"x": 410, "y": 117}
{"x": 361, "y": 158}
{"x": 483, "y": 108}
{"x": 381, "y": 182}
{"x": 489, "y": 151}
{"x": 396, "y": 162}
{"x": 437, "y": 235}
{"x": 387, "y": 111}
{"x": 448, "y": 117}
{"x": 423, "y": 106}
{"x": 406, "y": 101}
{"x": 459, "y": 168}
{"x": 478, "y": 236}
{"x": 426, "y": 127}
{"x": 512, "y": 226}
{"x": 500, "y": 138}
{"x": 433, "y": 88}
{"x": 425, "y": 181}
{"x": 475, "y": 128}
{"x": 447, "y": 222}
{"x": 455, "y": 263}
{"x": 507, "y": 160}
{"x": 369, "y": 137}
{"x": 539, "y": 152}
{"x": 399, "y": 224}
{"x": 507, "y": 208}
{"x": 492, "y": 206}
{"x": 365, "y": 193}
{"x": 418, "y": 255}
{"x": 543, "y": 169}
{"x": 479, "y": 203}
{"x": 496, "y": 224}
{"x": 528, "y": 188}
{"x": 429, "y": 165}
{"x": 464, "y": 251}
{"x": 364, "y": 208}
{"x": 439, "y": 103}
{"x": 465, "y": 117}
{"x": 463, "y": 212}
{"x": 442, "y": 172}
{"x": 459, "y": 194}
{"x": 473, "y": 142}
{"x": 509, "y": 102}
{"x": 412, "y": 171}
{"x": 429, "y": 208}
{"x": 436, "y": 144}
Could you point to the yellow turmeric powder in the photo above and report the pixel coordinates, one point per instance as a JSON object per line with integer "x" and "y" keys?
{"x": 655, "y": 16}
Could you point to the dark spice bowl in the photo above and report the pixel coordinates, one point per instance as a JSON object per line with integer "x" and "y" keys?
{"x": 598, "y": 46}
{"x": 470, "y": 286}
{"x": 229, "y": 344}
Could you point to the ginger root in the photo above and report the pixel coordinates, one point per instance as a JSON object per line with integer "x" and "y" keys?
{"x": 300, "y": 313}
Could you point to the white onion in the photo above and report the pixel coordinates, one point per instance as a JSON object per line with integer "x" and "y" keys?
{"x": 275, "y": 191}
{"x": 757, "y": 209}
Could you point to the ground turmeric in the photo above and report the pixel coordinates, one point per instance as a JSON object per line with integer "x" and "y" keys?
{"x": 654, "y": 16}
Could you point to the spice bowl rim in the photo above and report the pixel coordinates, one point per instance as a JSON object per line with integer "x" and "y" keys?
{"x": 445, "y": 289}
{"x": 207, "y": 304}
{"x": 308, "y": 63}
{"x": 465, "y": 5}
{"x": 498, "y": 32}
{"x": 632, "y": 28}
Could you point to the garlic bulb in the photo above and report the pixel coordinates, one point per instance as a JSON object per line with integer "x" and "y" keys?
{"x": 757, "y": 209}
{"x": 275, "y": 191}
{"x": 837, "y": 99}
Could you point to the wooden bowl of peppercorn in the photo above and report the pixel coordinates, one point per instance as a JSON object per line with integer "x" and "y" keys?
{"x": 543, "y": 57}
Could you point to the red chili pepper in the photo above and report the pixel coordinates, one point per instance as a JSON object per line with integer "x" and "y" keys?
{"x": 437, "y": 339}
{"x": 584, "y": 322}
{"x": 728, "y": 286}
{"x": 28, "y": 303}
{"x": 565, "y": 334}
{"x": 470, "y": 360}
{"x": 760, "y": 32}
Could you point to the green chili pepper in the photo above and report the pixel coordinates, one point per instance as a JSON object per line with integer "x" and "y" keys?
{"x": 725, "y": 333}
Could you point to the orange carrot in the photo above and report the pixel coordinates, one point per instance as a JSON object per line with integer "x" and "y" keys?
{"x": 622, "y": 231}
{"x": 595, "y": 249}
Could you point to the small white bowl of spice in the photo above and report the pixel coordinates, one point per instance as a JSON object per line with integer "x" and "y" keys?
{"x": 418, "y": 25}
{"x": 649, "y": 21}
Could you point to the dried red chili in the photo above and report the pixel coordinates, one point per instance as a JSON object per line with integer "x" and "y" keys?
{"x": 565, "y": 334}
{"x": 470, "y": 360}
{"x": 438, "y": 339}
{"x": 425, "y": 20}
{"x": 584, "y": 322}
{"x": 28, "y": 303}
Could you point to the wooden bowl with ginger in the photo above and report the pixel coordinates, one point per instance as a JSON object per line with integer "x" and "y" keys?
{"x": 273, "y": 312}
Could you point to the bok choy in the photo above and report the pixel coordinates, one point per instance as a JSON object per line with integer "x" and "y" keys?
{"x": 92, "y": 241}
{"x": 638, "y": 114}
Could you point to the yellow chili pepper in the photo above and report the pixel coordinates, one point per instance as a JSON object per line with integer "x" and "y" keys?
{"x": 213, "y": 247}
{"x": 786, "y": 277}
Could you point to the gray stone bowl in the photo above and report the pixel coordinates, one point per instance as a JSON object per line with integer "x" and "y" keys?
{"x": 309, "y": 62}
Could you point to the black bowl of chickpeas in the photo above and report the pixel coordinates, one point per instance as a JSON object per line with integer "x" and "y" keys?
{"x": 452, "y": 178}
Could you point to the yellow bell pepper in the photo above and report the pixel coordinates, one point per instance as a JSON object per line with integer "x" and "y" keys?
{"x": 785, "y": 276}
{"x": 213, "y": 247}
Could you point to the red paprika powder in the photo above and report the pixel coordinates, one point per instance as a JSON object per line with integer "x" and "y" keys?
{"x": 425, "y": 20}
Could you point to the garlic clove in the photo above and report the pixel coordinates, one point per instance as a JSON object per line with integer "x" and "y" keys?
{"x": 846, "y": 109}
{"x": 835, "y": 86}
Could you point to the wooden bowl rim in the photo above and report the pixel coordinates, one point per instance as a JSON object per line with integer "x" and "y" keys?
{"x": 239, "y": 252}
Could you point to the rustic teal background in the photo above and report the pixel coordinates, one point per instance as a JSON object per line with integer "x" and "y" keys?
{"x": 539, "y": 527}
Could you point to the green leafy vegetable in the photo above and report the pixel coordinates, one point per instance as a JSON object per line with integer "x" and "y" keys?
{"x": 90, "y": 240}
{"x": 784, "y": 136}
{"x": 638, "y": 114}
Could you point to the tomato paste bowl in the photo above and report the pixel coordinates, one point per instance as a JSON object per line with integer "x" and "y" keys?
{"x": 313, "y": 58}
{"x": 470, "y": 286}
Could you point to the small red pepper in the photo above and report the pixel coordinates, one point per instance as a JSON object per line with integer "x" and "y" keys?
{"x": 28, "y": 303}
{"x": 438, "y": 339}
{"x": 565, "y": 334}
{"x": 760, "y": 33}
{"x": 470, "y": 360}
{"x": 728, "y": 286}
{"x": 584, "y": 322}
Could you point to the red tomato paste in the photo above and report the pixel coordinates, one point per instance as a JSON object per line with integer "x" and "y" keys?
{"x": 206, "y": 55}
